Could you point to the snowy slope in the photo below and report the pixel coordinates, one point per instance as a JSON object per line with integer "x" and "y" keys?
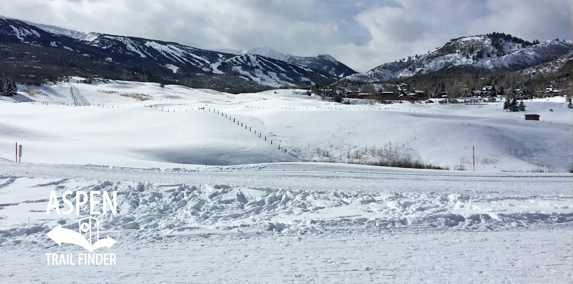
{"x": 324, "y": 64}
{"x": 15, "y": 31}
{"x": 79, "y": 35}
{"x": 161, "y": 52}
{"x": 551, "y": 66}
{"x": 266, "y": 52}
{"x": 484, "y": 52}
{"x": 307, "y": 127}
{"x": 190, "y": 61}
{"x": 267, "y": 71}
{"x": 237, "y": 220}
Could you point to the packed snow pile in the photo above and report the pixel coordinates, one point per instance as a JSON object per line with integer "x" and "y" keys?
{"x": 154, "y": 211}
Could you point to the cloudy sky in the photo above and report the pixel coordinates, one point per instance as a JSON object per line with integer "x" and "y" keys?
{"x": 361, "y": 34}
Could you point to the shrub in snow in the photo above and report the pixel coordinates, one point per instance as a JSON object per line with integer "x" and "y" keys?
{"x": 513, "y": 106}
{"x": 338, "y": 98}
{"x": 506, "y": 105}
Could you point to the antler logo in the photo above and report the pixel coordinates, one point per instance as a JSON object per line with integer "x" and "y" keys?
{"x": 87, "y": 237}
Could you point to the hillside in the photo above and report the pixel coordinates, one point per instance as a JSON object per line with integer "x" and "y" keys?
{"x": 324, "y": 64}
{"x": 474, "y": 54}
{"x": 274, "y": 184}
{"x": 308, "y": 128}
{"x": 122, "y": 57}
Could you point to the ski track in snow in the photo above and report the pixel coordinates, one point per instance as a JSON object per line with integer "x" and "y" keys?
{"x": 79, "y": 100}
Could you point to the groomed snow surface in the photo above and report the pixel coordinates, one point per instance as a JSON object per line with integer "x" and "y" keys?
{"x": 204, "y": 199}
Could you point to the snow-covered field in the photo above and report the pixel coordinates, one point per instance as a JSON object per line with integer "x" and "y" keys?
{"x": 203, "y": 199}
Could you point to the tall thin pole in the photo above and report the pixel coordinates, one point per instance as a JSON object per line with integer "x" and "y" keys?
{"x": 16, "y": 152}
{"x": 474, "y": 157}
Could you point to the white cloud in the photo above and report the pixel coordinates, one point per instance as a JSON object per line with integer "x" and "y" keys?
{"x": 290, "y": 26}
{"x": 414, "y": 27}
{"x": 529, "y": 19}
{"x": 408, "y": 29}
{"x": 362, "y": 34}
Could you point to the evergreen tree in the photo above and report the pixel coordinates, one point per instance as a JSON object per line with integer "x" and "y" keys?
{"x": 14, "y": 88}
{"x": 506, "y": 105}
{"x": 521, "y": 106}
{"x": 9, "y": 88}
{"x": 514, "y": 106}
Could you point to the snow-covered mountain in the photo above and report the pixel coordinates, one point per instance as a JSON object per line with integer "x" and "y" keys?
{"x": 324, "y": 63}
{"x": 15, "y": 31}
{"x": 61, "y": 31}
{"x": 267, "y": 52}
{"x": 267, "y": 71}
{"x": 162, "y": 52}
{"x": 551, "y": 66}
{"x": 179, "y": 61}
{"x": 486, "y": 52}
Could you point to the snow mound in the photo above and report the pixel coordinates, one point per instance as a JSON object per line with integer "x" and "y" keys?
{"x": 161, "y": 210}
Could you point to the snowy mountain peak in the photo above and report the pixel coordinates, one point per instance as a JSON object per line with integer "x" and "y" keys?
{"x": 329, "y": 57}
{"x": 267, "y": 52}
{"x": 92, "y": 36}
{"x": 324, "y": 63}
{"x": 61, "y": 31}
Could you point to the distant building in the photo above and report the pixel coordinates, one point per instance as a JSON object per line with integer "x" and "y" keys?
{"x": 386, "y": 96}
{"x": 417, "y": 95}
{"x": 532, "y": 117}
{"x": 550, "y": 91}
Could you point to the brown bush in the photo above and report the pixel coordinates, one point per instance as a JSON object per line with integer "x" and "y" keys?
{"x": 32, "y": 92}
{"x": 137, "y": 96}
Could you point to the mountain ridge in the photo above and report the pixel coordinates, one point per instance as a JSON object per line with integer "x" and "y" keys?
{"x": 264, "y": 68}
{"x": 189, "y": 63}
{"x": 323, "y": 63}
{"x": 491, "y": 52}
